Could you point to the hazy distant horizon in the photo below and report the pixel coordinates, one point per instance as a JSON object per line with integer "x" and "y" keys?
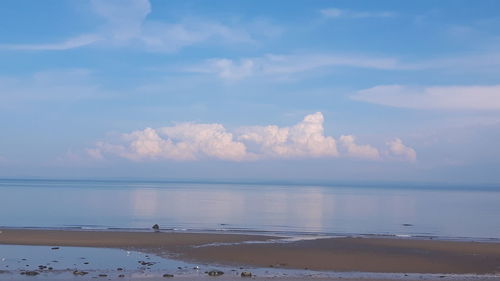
{"x": 484, "y": 186}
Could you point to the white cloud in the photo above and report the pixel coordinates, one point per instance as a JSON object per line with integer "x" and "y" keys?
{"x": 343, "y": 13}
{"x": 76, "y": 42}
{"x": 401, "y": 151}
{"x": 211, "y": 140}
{"x": 288, "y": 64}
{"x": 182, "y": 142}
{"x": 272, "y": 65}
{"x": 126, "y": 24}
{"x": 437, "y": 97}
{"x": 356, "y": 150}
{"x": 124, "y": 18}
{"x": 191, "y": 141}
{"x": 166, "y": 37}
{"x": 305, "y": 139}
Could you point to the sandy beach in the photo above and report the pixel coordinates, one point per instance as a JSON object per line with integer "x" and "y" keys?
{"x": 379, "y": 255}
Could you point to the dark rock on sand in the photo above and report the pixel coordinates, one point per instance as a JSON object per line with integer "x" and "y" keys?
{"x": 407, "y": 224}
{"x": 156, "y": 227}
{"x": 215, "y": 273}
{"x": 103, "y": 275}
{"x": 55, "y": 248}
{"x": 30, "y": 273}
{"x": 121, "y": 275}
{"x": 246, "y": 274}
{"x": 146, "y": 263}
{"x": 78, "y": 272}
{"x": 166, "y": 275}
{"x": 119, "y": 269}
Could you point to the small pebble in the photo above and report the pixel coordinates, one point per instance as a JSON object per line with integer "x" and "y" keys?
{"x": 215, "y": 273}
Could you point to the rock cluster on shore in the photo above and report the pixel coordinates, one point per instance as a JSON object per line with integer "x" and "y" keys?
{"x": 246, "y": 274}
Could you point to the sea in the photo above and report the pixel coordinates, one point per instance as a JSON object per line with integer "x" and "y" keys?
{"x": 295, "y": 209}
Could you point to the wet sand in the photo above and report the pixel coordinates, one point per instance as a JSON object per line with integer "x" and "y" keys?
{"x": 331, "y": 254}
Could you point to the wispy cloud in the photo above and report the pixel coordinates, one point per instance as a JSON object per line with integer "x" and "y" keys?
{"x": 126, "y": 24}
{"x": 71, "y": 43}
{"x": 436, "y": 97}
{"x": 288, "y": 64}
{"x": 192, "y": 141}
{"x": 343, "y": 13}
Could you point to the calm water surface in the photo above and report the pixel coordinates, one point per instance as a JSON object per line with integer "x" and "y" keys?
{"x": 448, "y": 212}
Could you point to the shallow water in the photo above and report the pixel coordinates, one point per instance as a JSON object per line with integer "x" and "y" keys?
{"x": 103, "y": 264}
{"x": 445, "y": 212}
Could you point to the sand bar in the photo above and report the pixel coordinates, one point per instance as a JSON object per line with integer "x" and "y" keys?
{"x": 336, "y": 254}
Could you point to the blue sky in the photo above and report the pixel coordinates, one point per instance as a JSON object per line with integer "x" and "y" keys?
{"x": 266, "y": 90}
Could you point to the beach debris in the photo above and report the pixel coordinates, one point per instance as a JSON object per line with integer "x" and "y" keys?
{"x": 30, "y": 273}
{"x": 54, "y": 248}
{"x": 168, "y": 275}
{"x": 78, "y": 272}
{"x": 215, "y": 273}
{"x": 156, "y": 227}
{"x": 196, "y": 268}
{"x": 103, "y": 275}
{"x": 246, "y": 274}
{"x": 147, "y": 263}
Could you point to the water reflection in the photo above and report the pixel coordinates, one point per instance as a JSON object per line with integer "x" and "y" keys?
{"x": 276, "y": 208}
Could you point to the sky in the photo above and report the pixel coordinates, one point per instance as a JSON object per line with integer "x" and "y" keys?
{"x": 359, "y": 91}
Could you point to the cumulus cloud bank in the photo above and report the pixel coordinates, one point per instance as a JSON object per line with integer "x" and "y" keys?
{"x": 192, "y": 141}
{"x": 358, "y": 151}
{"x": 305, "y": 139}
{"x": 398, "y": 149}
